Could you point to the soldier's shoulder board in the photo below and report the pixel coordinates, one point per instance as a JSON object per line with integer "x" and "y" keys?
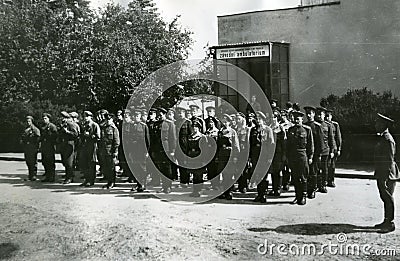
{"x": 307, "y": 127}
{"x": 317, "y": 123}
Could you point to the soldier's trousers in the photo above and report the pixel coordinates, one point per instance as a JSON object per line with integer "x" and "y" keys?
{"x": 386, "y": 189}
{"x": 276, "y": 173}
{"x": 227, "y": 169}
{"x": 123, "y": 164}
{"x": 299, "y": 166}
{"x": 67, "y": 158}
{"x": 323, "y": 171}
{"x": 151, "y": 167}
{"x": 331, "y": 168}
{"x": 212, "y": 173}
{"x": 184, "y": 175}
{"x": 286, "y": 174}
{"x": 163, "y": 164}
{"x": 30, "y": 155}
{"x": 139, "y": 168}
{"x": 109, "y": 168}
{"x": 49, "y": 160}
{"x": 312, "y": 181}
{"x": 197, "y": 178}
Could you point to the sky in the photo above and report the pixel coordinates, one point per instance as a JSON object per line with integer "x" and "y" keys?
{"x": 200, "y": 16}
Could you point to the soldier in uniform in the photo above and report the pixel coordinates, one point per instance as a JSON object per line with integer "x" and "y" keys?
{"x": 90, "y": 137}
{"x": 261, "y": 137}
{"x": 101, "y": 119}
{"x": 300, "y": 151}
{"x": 152, "y": 126}
{"x": 328, "y": 149}
{"x": 386, "y": 170}
{"x": 48, "y": 141}
{"x": 211, "y": 117}
{"x": 197, "y": 115}
{"x": 212, "y": 167}
{"x": 125, "y": 117}
{"x": 108, "y": 148}
{"x": 68, "y": 135}
{"x": 279, "y": 155}
{"x": 30, "y": 140}
{"x": 338, "y": 141}
{"x": 196, "y": 140}
{"x": 286, "y": 124}
{"x": 253, "y": 106}
{"x": 227, "y": 144}
{"x": 184, "y": 130}
{"x": 138, "y": 138}
{"x": 171, "y": 117}
{"x": 242, "y": 132}
{"x": 164, "y": 143}
{"x": 75, "y": 120}
{"x": 316, "y": 161}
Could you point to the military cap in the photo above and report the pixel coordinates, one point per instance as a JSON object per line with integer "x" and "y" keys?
{"x": 171, "y": 109}
{"x": 29, "y": 117}
{"x": 87, "y": 113}
{"x": 209, "y": 108}
{"x": 65, "y": 114}
{"x": 48, "y": 115}
{"x": 306, "y": 108}
{"x": 194, "y": 106}
{"x": 162, "y": 110}
{"x": 103, "y": 111}
{"x": 385, "y": 118}
{"x": 274, "y": 100}
{"x": 261, "y": 115}
{"x": 144, "y": 111}
{"x": 152, "y": 110}
{"x": 227, "y": 116}
{"x": 127, "y": 111}
{"x": 289, "y": 104}
{"x": 298, "y": 114}
{"x": 137, "y": 111}
{"x": 321, "y": 109}
{"x": 252, "y": 115}
{"x": 180, "y": 108}
{"x": 119, "y": 112}
{"x": 74, "y": 114}
{"x": 241, "y": 114}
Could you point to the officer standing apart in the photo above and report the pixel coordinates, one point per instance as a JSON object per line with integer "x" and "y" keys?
{"x": 90, "y": 138}
{"x": 138, "y": 138}
{"x": 68, "y": 135}
{"x": 300, "y": 151}
{"x": 386, "y": 170}
{"x": 48, "y": 141}
{"x": 30, "y": 140}
{"x": 108, "y": 148}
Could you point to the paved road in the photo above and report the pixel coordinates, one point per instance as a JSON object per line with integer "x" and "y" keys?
{"x": 54, "y": 221}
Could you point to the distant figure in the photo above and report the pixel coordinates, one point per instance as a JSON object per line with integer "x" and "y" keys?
{"x": 253, "y": 106}
{"x": 30, "y": 140}
{"x": 386, "y": 170}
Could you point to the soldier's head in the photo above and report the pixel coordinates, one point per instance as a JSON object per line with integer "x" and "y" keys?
{"x": 320, "y": 115}
{"x": 329, "y": 115}
{"x": 144, "y": 115}
{"x": 127, "y": 115}
{"x": 289, "y": 105}
{"x": 382, "y": 123}
{"x": 196, "y": 126}
{"x": 29, "y": 120}
{"x": 110, "y": 118}
{"x": 171, "y": 114}
{"x": 120, "y": 115}
{"x": 137, "y": 115}
{"x": 74, "y": 116}
{"x": 261, "y": 118}
{"x": 274, "y": 103}
{"x": 152, "y": 114}
{"x": 298, "y": 117}
{"x": 210, "y": 124}
{"x": 226, "y": 120}
{"x": 161, "y": 114}
{"x": 284, "y": 114}
{"x": 276, "y": 117}
{"x": 46, "y": 118}
{"x": 195, "y": 109}
{"x": 189, "y": 114}
{"x": 66, "y": 117}
{"x": 181, "y": 112}
{"x": 310, "y": 112}
{"x": 87, "y": 115}
{"x": 253, "y": 98}
{"x": 210, "y": 111}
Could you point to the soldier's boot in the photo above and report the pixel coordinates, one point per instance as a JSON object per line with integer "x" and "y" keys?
{"x": 261, "y": 192}
{"x": 387, "y": 227}
{"x": 302, "y": 200}
{"x": 384, "y": 222}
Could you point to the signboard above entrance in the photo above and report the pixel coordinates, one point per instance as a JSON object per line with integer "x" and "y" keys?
{"x": 243, "y": 52}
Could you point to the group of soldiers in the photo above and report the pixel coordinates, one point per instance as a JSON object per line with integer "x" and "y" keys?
{"x": 176, "y": 143}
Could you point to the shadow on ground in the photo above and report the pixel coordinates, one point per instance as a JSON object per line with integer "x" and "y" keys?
{"x": 314, "y": 229}
{"x": 7, "y": 250}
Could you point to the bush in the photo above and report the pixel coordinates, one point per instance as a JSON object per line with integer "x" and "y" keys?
{"x": 356, "y": 113}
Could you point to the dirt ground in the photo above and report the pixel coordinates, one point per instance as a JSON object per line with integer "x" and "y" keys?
{"x": 66, "y": 222}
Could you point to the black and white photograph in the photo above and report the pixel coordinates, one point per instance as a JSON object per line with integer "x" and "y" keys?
{"x": 199, "y": 130}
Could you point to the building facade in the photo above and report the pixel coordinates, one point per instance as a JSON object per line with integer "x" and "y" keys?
{"x": 329, "y": 47}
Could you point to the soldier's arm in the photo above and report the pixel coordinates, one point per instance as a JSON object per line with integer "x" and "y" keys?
{"x": 172, "y": 137}
{"x": 310, "y": 144}
{"x": 235, "y": 143}
{"x": 338, "y": 137}
{"x": 331, "y": 139}
{"x": 116, "y": 140}
{"x": 319, "y": 140}
{"x": 147, "y": 136}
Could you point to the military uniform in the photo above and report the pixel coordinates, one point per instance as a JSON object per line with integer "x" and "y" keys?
{"x": 212, "y": 166}
{"x": 91, "y": 135}
{"x": 153, "y": 136}
{"x": 138, "y": 143}
{"x": 286, "y": 170}
{"x": 195, "y": 142}
{"x": 68, "y": 135}
{"x": 48, "y": 140}
{"x": 184, "y": 130}
{"x": 124, "y": 126}
{"x": 30, "y": 140}
{"x": 300, "y": 148}
{"x": 108, "y": 148}
{"x": 332, "y": 161}
{"x": 279, "y": 158}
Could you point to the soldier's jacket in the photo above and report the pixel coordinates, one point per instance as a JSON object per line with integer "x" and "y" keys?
{"x": 280, "y": 137}
{"x": 256, "y": 135}
{"x": 337, "y": 134}
{"x": 317, "y": 137}
{"x": 300, "y": 140}
{"x": 184, "y": 130}
{"x": 384, "y": 157}
{"x": 194, "y": 143}
{"x": 109, "y": 140}
{"x": 328, "y": 145}
{"x": 91, "y": 133}
{"x": 152, "y": 126}
{"x": 31, "y": 137}
{"x": 70, "y": 135}
{"x": 218, "y": 123}
{"x": 165, "y": 140}
{"x": 139, "y": 139}
{"x": 227, "y": 139}
{"x": 48, "y": 137}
